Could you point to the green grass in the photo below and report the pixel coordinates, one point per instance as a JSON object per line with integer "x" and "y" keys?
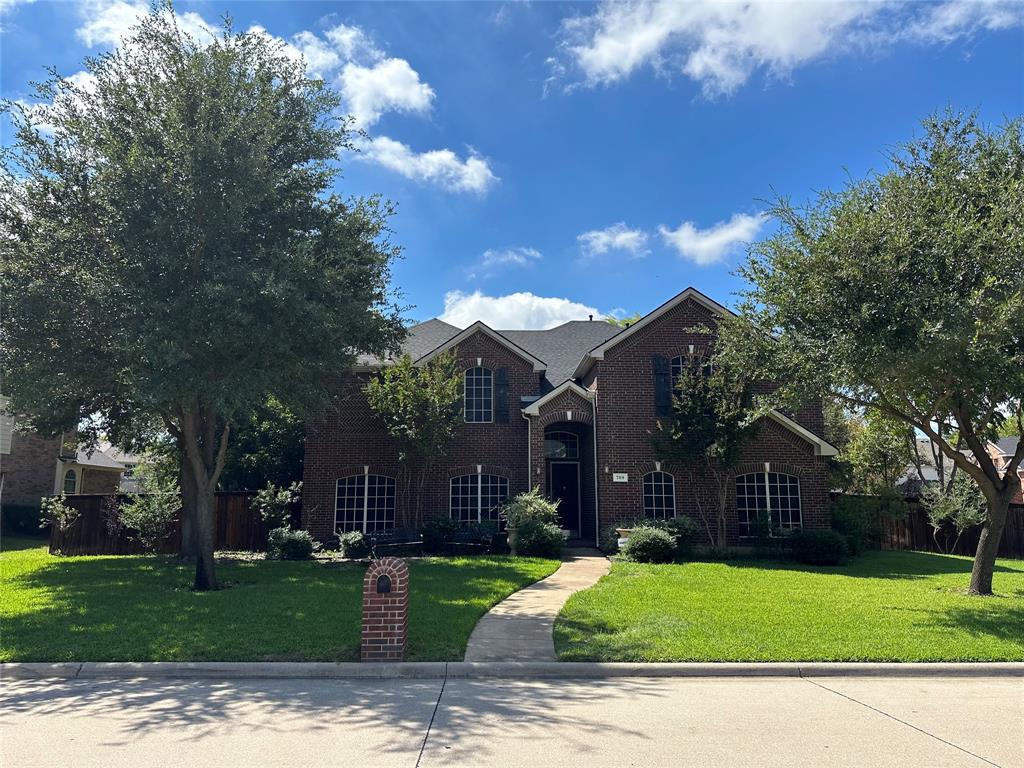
{"x": 141, "y": 608}
{"x": 884, "y": 606}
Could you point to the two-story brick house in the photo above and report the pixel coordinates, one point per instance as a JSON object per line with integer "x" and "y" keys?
{"x": 571, "y": 410}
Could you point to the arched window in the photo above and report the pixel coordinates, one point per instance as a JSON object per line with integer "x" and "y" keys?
{"x": 364, "y": 503}
{"x": 475, "y": 498}
{"x": 768, "y": 497}
{"x": 479, "y": 395}
{"x": 70, "y": 481}
{"x": 659, "y": 495}
{"x": 561, "y": 445}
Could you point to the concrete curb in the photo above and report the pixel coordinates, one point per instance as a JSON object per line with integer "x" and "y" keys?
{"x": 466, "y": 670}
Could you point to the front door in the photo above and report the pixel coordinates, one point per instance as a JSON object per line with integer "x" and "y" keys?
{"x": 565, "y": 486}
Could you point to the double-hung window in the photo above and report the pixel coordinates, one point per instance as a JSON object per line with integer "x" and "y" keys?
{"x": 365, "y": 503}
{"x": 478, "y": 395}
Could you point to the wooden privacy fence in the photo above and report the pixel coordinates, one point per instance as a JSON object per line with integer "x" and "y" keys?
{"x": 913, "y": 531}
{"x": 95, "y": 531}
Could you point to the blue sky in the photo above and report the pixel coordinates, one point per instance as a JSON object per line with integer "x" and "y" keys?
{"x": 550, "y": 160}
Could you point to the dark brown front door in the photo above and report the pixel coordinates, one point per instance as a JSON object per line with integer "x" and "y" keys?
{"x": 565, "y": 486}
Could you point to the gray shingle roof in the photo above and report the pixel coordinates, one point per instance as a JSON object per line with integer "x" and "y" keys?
{"x": 560, "y": 348}
{"x": 1008, "y": 445}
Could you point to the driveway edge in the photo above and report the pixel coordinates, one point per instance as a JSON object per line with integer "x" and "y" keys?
{"x": 435, "y": 670}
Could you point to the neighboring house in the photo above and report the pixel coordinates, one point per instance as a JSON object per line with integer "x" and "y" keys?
{"x": 33, "y": 466}
{"x": 130, "y": 462}
{"x": 1001, "y": 451}
{"x": 570, "y": 410}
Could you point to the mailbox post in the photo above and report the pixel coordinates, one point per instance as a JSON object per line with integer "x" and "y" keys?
{"x": 385, "y": 610}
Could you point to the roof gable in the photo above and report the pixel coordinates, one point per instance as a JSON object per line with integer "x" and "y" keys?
{"x": 690, "y": 294}
{"x": 480, "y": 327}
{"x": 533, "y": 409}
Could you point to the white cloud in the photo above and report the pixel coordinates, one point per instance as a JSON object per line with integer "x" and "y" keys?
{"x": 390, "y": 85}
{"x": 518, "y": 256}
{"x": 107, "y": 22}
{"x": 440, "y": 167}
{"x": 721, "y": 44}
{"x": 706, "y": 246}
{"x": 353, "y": 43}
{"x": 617, "y": 237}
{"x": 516, "y": 311}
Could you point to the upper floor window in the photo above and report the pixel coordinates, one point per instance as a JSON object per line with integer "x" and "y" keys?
{"x": 767, "y": 497}
{"x": 479, "y": 395}
{"x": 561, "y": 445}
{"x": 694, "y": 361}
{"x": 475, "y": 498}
{"x": 659, "y": 495}
{"x": 364, "y": 503}
{"x": 70, "y": 481}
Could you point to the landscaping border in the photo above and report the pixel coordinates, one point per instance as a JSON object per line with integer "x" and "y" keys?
{"x": 428, "y": 670}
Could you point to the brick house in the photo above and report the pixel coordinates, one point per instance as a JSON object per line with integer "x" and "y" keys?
{"x": 570, "y": 410}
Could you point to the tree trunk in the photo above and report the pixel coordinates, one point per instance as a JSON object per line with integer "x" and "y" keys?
{"x": 206, "y": 579}
{"x": 988, "y": 544}
{"x": 187, "y": 484}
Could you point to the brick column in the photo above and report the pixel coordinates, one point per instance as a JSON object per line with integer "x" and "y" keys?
{"x": 385, "y": 610}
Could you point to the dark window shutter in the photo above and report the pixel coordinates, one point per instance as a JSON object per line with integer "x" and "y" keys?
{"x": 501, "y": 395}
{"x": 662, "y": 386}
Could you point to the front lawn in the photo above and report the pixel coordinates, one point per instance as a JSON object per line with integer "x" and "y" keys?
{"x": 884, "y": 606}
{"x": 141, "y": 608}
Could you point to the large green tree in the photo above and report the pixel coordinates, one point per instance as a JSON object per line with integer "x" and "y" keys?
{"x": 903, "y": 294}
{"x": 172, "y": 249}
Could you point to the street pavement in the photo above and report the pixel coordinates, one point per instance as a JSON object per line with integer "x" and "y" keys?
{"x": 830, "y": 721}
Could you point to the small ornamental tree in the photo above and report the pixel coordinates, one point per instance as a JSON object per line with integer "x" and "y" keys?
{"x": 902, "y": 294}
{"x": 420, "y": 407}
{"x": 960, "y": 505}
{"x": 710, "y": 423}
{"x": 173, "y": 250}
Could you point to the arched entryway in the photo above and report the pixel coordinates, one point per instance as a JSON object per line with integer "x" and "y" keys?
{"x": 569, "y": 475}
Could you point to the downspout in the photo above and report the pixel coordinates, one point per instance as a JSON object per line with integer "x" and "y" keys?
{"x": 597, "y": 502}
{"x": 529, "y": 449}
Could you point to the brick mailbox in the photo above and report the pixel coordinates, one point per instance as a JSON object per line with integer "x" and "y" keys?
{"x": 385, "y": 610}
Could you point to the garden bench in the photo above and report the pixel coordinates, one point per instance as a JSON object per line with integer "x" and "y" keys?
{"x": 467, "y": 542}
{"x": 396, "y": 539}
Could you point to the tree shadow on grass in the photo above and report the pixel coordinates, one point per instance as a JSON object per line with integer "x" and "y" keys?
{"x": 997, "y": 619}
{"x": 878, "y": 564}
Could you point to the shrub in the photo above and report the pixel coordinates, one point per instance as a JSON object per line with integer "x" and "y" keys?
{"x": 647, "y": 544}
{"x": 854, "y": 520}
{"x": 149, "y": 515}
{"x": 53, "y": 510}
{"x": 608, "y": 542}
{"x": 529, "y": 506}
{"x": 274, "y": 503}
{"x": 286, "y": 544}
{"x": 818, "y": 547}
{"x": 437, "y": 532}
{"x": 539, "y": 539}
{"x": 354, "y": 545}
{"x": 681, "y": 529}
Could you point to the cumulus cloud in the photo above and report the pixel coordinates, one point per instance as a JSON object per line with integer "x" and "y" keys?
{"x": 441, "y": 167}
{"x": 107, "y": 22}
{"x": 515, "y": 311}
{"x": 707, "y": 246}
{"x": 721, "y": 44}
{"x": 617, "y": 237}
{"x": 390, "y": 85}
{"x": 494, "y": 259}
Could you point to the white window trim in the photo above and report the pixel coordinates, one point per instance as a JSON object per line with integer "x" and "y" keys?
{"x": 465, "y": 410}
{"x": 643, "y": 492}
{"x": 479, "y": 492}
{"x": 768, "y": 500}
{"x": 366, "y": 497}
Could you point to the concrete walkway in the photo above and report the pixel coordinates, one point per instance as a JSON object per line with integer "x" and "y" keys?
{"x": 519, "y": 627}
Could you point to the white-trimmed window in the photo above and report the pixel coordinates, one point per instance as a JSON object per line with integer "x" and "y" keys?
{"x": 364, "y": 503}
{"x": 475, "y": 498}
{"x": 659, "y": 495}
{"x": 769, "y": 497}
{"x": 70, "y": 481}
{"x": 478, "y": 395}
{"x": 561, "y": 445}
{"x": 680, "y": 363}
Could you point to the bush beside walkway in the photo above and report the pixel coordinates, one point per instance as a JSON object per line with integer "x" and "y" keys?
{"x": 884, "y": 606}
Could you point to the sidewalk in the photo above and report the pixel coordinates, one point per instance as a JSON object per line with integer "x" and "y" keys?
{"x": 845, "y": 722}
{"x": 519, "y": 628}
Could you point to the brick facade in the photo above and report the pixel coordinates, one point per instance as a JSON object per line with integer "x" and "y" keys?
{"x": 618, "y": 406}
{"x": 30, "y": 469}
